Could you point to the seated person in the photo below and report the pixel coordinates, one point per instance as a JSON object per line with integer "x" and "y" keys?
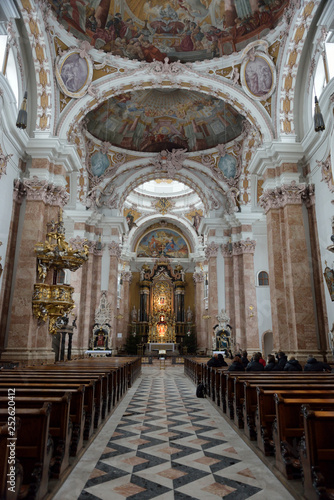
{"x": 312, "y": 365}
{"x": 255, "y": 365}
{"x": 271, "y": 363}
{"x": 292, "y": 365}
{"x": 217, "y": 361}
{"x": 244, "y": 358}
{"x": 261, "y": 360}
{"x": 282, "y": 359}
{"x": 236, "y": 365}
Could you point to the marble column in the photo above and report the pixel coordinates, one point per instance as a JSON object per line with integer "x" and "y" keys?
{"x": 211, "y": 253}
{"x": 28, "y": 340}
{"x": 318, "y": 280}
{"x": 7, "y": 278}
{"x": 199, "y": 311}
{"x": 115, "y": 253}
{"x": 293, "y": 311}
{"x": 125, "y": 304}
{"x": 229, "y": 283}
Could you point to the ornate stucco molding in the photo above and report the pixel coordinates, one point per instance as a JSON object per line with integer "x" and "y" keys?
{"x": 3, "y": 162}
{"x": 19, "y": 191}
{"x": 326, "y": 172}
{"x": 198, "y": 277}
{"x": 37, "y": 190}
{"x": 243, "y": 246}
{"x": 114, "y": 249}
{"x": 288, "y": 194}
{"x": 226, "y": 249}
{"x": 170, "y": 161}
{"x": 211, "y": 250}
{"x": 126, "y": 276}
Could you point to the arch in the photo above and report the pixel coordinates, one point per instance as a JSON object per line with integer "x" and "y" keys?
{"x": 186, "y": 78}
{"x": 267, "y": 342}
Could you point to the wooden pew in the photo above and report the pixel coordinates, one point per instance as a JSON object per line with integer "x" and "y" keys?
{"x": 33, "y": 449}
{"x": 250, "y": 397}
{"x": 288, "y": 429}
{"x": 317, "y": 454}
{"x": 89, "y": 405}
{"x": 9, "y": 466}
{"x": 266, "y": 410}
{"x": 60, "y": 425}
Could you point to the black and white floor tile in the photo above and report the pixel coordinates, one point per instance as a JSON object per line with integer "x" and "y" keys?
{"x": 163, "y": 443}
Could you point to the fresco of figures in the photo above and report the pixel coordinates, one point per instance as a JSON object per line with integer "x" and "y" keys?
{"x": 164, "y": 119}
{"x": 185, "y": 30}
{"x": 162, "y": 243}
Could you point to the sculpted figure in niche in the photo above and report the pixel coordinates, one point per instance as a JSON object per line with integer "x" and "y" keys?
{"x": 134, "y": 314}
{"x": 189, "y": 315}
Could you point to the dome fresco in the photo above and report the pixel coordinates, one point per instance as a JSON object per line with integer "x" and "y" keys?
{"x": 153, "y": 120}
{"x": 184, "y": 30}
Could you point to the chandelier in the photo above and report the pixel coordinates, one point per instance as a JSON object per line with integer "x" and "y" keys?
{"x": 54, "y": 300}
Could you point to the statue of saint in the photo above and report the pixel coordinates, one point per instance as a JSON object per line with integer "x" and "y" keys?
{"x": 134, "y": 314}
{"x": 189, "y": 315}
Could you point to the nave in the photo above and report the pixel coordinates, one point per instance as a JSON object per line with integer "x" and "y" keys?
{"x": 164, "y": 443}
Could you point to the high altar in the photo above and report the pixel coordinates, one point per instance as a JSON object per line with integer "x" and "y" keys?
{"x": 162, "y": 301}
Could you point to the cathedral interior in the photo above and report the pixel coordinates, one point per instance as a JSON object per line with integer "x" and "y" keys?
{"x": 166, "y": 188}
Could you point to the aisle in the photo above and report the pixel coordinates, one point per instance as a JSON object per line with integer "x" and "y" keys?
{"x": 164, "y": 443}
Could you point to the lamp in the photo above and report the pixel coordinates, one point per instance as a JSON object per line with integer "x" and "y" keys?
{"x": 22, "y": 117}
{"x": 319, "y": 123}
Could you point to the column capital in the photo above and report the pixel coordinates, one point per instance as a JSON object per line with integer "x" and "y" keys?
{"x": 243, "y": 246}
{"x": 287, "y": 194}
{"x": 198, "y": 277}
{"x": 18, "y": 191}
{"x": 114, "y": 249}
{"x": 211, "y": 250}
{"x": 41, "y": 190}
{"x": 126, "y": 276}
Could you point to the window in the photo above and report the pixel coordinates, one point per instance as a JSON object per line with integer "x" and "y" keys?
{"x": 263, "y": 278}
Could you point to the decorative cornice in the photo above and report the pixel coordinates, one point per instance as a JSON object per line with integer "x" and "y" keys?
{"x": 38, "y": 190}
{"x": 211, "y": 250}
{"x": 114, "y": 249}
{"x": 198, "y": 277}
{"x": 326, "y": 172}
{"x": 288, "y": 194}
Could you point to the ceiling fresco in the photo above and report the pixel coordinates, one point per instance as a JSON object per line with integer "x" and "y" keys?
{"x": 185, "y": 30}
{"x": 154, "y": 120}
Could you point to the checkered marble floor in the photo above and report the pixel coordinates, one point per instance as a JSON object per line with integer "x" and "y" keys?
{"x": 164, "y": 443}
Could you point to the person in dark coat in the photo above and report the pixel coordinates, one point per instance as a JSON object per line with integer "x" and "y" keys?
{"x": 217, "y": 361}
{"x": 282, "y": 359}
{"x": 236, "y": 365}
{"x": 312, "y": 365}
{"x": 271, "y": 363}
{"x": 292, "y": 365}
{"x": 255, "y": 365}
{"x": 244, "y": 358}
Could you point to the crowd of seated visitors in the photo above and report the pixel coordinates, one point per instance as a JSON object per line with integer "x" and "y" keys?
{"x": 240, "y": 362}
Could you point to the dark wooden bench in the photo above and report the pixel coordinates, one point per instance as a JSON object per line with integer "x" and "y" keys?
{"x": 33, "y": 449}
{"x": 89, "y": 405}
{"x": 9, "y": 466}
{"x": 250, "y": 398}
{"x": 60, "y": 425}
{"x": 266, "y": 410}
{"x": 288, "y": 429}
{"x": 317, "y": 454}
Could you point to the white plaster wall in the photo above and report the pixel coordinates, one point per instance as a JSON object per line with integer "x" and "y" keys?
{"x": 261, "y": 264}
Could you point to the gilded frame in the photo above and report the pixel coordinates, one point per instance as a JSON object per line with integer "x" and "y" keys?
{"x": 74, "y": 73}
{"x": 251, "y": 68}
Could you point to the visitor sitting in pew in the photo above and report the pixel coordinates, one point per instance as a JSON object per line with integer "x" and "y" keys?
{"x": 244, "y": 358}
{"x": 261, "y": 360}
{"x": 292, "y": 365}
{"x": 282, "y": 359}
{"x": 271, "y": 363}
{"x": 255, "y": 365}
{"x": 312, "y": 365}
{"x": 217, "y": 361}
{"x": 236, "y": 365}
